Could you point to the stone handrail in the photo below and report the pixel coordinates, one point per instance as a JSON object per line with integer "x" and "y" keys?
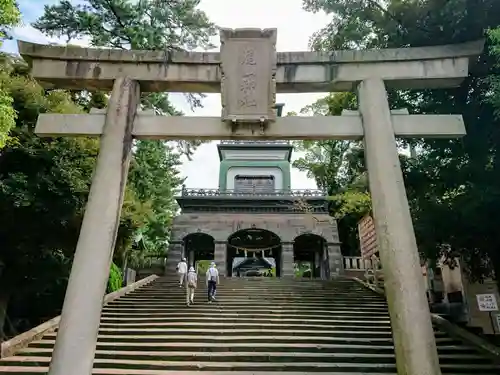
{"x": 252, "y": 142}
{"x": 458, "y": 333}
{"x": 10, "y": 347}
{"x": 152, "y": 261}
{"x": 357, "y": 264}
{"x": 186, "y": 192}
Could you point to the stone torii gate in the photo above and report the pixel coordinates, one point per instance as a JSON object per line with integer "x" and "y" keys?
{"x": 248, "y": 72}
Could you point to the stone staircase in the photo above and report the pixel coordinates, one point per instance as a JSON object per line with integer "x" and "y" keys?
{"x": 257, "y": 326}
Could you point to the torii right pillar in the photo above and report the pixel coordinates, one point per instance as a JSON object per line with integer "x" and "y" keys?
{"x": 414, "y": 342}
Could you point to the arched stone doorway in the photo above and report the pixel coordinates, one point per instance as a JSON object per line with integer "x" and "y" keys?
{"x": 199, "y": 247}
{"x": 310, "y": 256}
{"x": 254, "y": 252}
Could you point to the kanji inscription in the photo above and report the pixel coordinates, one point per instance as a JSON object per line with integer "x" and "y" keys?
{"x": 248, "y": 67}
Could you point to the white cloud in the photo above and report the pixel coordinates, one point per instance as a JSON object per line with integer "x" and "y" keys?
{"x": 295, "y": 27}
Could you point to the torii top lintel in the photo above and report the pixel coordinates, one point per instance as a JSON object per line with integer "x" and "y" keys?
{"x": 96, "y": 68}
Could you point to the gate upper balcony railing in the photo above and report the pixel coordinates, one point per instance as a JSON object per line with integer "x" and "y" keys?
{"x": 255, "y": 142}
{"x": 297, "y": 193}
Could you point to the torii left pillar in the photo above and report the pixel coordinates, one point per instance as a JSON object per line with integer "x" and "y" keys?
{"x": 79, "y": 326}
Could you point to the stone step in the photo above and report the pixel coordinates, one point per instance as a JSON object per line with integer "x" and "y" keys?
{"x": 231, "y": 306}
{"x": 263, "y": 280}
{"x": 43, "y": 370}
{"x": 178, "y": 291}
{"x": 256, "y": 356}
{"x": 243, "y": 325}
{"x": 315, "y": 338}
{"x": 217, "y": 330}
{"x": 256, "y": 327}
{"x": 246, "y": 366}
{"x": 255, "y": 347}
{"x": 280, "y": 285}
{"x": 227, "y": 301}
{"x": 257, "y": 297}
{"x": 25, "y": 370}
{"x": 125, "y": 321}
{"x": 254, "y": 298}
{"x": 262, "y": 314}
{"x": 271, "y": 289}
{"x": 212, "y": 330}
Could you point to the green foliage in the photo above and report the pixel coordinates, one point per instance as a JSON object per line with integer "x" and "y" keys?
{"x": 494, "y": 79}
{"x": 332, "y": 164}
{"x": 44, "y": 183}
{"x": 203, "y": 266}
{"x": 302, "y": 268}
{"x": 156, "y": 180}
{"x": 43, "y": 188}
{"x": 141, "y": 25}
{"x": 352, "y": 203}
{"x": 115, "y": 280}
{"x": 9, "y": 17}
{"x": 453, "y": 185}
{"x": 338, "y": 168}
{"x": 7, "y": 114}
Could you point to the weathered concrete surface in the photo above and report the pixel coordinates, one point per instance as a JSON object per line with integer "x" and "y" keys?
{"x": 92, "y": 68}
{"x": 10, "y": 347}
{"x": 347, "y": 126}
{"x": 414, "y": 341}
{"x": 77, "y": 335}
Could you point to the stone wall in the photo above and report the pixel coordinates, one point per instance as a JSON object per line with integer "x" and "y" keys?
{"x": 286, "y": 226}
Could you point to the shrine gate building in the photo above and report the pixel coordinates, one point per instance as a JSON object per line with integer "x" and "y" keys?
{"x": 254, "y": 218}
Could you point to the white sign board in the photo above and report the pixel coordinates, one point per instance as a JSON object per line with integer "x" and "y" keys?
{"x": 487, "y": 302}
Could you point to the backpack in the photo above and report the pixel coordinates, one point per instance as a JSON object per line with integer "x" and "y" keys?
{"x": 213, "y": 277}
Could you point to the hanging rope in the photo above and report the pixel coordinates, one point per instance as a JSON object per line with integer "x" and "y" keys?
{"x": 246, "y": 250}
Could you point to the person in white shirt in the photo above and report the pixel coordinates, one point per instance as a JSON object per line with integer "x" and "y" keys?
{"x": 182, "y": 268}
{"x": 192, "y": 283}
{"x": 212, "y": 281}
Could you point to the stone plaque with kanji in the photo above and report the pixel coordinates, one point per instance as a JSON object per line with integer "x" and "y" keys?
{"x": 248, "y": 69}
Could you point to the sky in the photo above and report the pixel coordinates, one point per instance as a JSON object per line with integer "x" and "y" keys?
{"x": 295, "y": 26}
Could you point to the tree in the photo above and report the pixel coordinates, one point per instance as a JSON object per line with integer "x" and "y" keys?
{"x": 155, "y": 179}
{"x": 140, "y": 25}
{"x": 115, "y": 279}
{"x": 338, "y": 168}
{"x": 151, "y": 25}
{"x": 453, "y": 185}
{"x": 44, "y": 183}
{"x": 9, "y": 16}
{"x": 328, "y": 162}
{"x": 494, "y": 79}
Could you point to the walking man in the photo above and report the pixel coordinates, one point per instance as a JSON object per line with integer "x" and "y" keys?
{"x": 181, "y": 271}
{"x": 212, "y": 281}
{"x": 192, "y": 283}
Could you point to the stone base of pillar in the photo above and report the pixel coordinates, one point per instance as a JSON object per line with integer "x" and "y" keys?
{"x": 334, "y": 260}
{"x": 287, "y": 261}
{"x": 220, "y": 258}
